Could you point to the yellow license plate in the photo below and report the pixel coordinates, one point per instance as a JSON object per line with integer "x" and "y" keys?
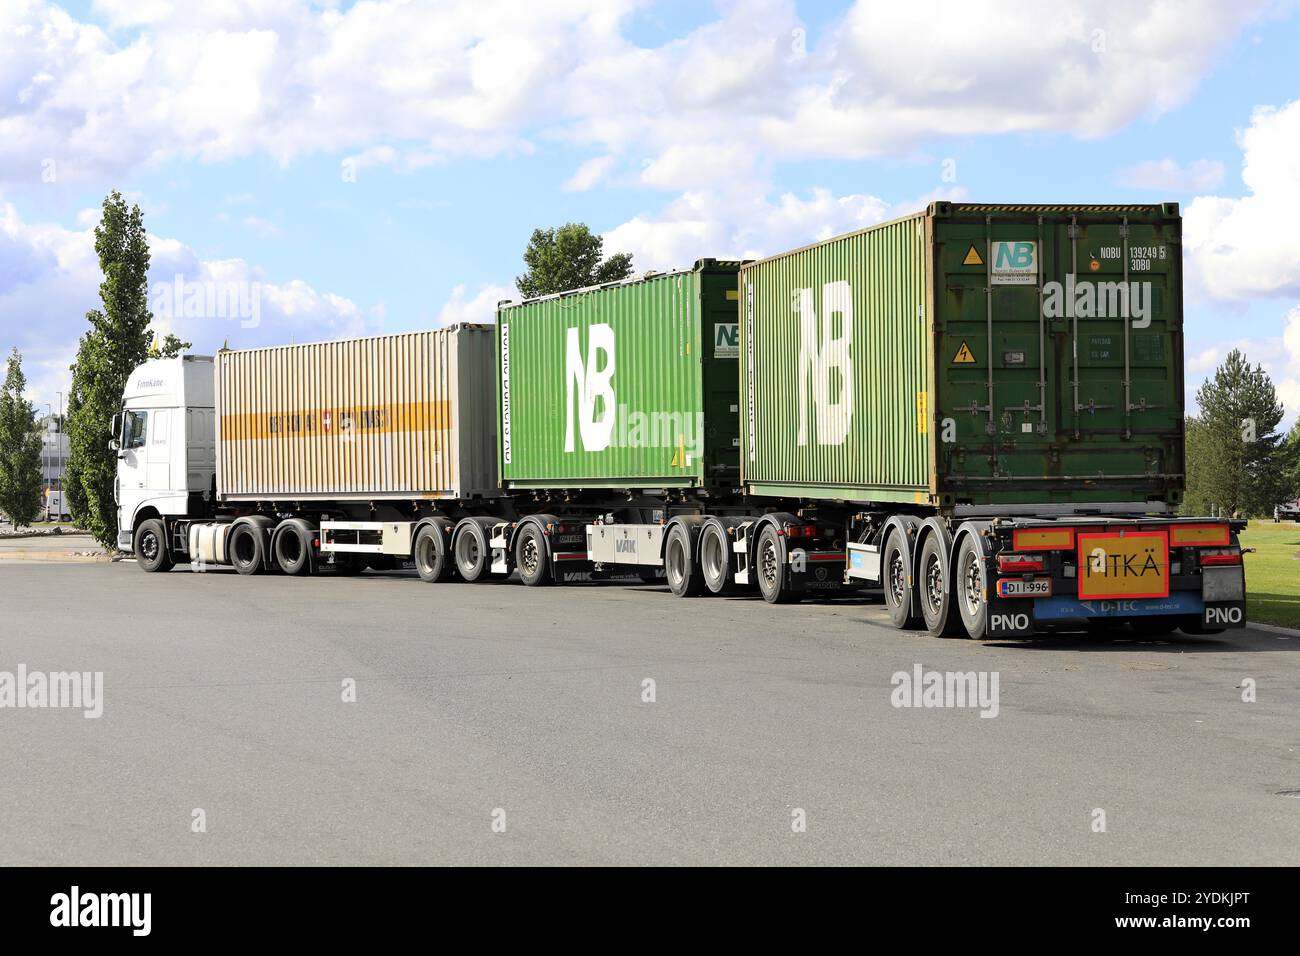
{"x": 1134, "y": 564}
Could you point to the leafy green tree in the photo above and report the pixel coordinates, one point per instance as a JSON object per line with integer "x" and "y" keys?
{"x": 20, "y": 448}
{"x": 568, "y": 258}
{"x": 1291, "y": 449}
{"x": 1237, "y": 461}
{"x": 117, "y": 341}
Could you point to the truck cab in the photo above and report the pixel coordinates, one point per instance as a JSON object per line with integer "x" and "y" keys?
{"x": 165, "y": 438}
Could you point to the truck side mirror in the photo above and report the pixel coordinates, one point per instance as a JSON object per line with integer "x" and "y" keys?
{"x": 116, "y": 428}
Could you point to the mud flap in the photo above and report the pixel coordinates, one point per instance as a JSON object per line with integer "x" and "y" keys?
{"x": 1224, "y": 614}
{"x": 1010, "y": 617}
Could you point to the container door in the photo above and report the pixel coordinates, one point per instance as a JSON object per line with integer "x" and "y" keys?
{"x": 1061, "y": 358}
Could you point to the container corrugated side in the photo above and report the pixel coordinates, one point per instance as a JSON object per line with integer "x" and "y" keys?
{"x": 393, "y": 416}
{"x": 835, "y": 368}
{"x": 609, "y": 387}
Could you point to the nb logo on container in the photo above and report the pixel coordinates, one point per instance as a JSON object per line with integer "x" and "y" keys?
{"x": 585, "y": 382}
{"x": 826, "y": 362}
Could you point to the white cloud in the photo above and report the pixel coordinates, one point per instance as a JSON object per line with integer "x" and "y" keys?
{"x": 1166, "y": 175}
{"x": 895, "y": 74}
{"x": 50, "y": 279}
{"x": 479, "y": 307}
{"x": 1247, "y": 247}
{"x": 747, "y": 222}
{"x": 588, "y": 174}
{"x": 1278, "y": 354}
{"x": 1285, "y": 368}
{"x": 406, "y": 83}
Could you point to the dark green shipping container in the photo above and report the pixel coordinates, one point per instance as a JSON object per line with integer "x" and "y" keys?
{"x": 630, "y": 385}
{"x": 999, "y": 358}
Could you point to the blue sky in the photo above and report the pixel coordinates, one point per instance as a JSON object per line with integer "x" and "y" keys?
{"x": 677, "y": 130}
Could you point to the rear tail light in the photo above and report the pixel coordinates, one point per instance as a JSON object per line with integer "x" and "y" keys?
{"x": 801, "y": 531}
{"x": 1013, "y": 563}
{"x": 1219, "y": 559}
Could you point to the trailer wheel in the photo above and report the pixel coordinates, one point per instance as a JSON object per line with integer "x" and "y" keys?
{"x": 773, "y": 571}
{"x": 151, "y": 546}
{"x": 430, "y": 553}
{"x": 969, "y": 588}
{"x": 893, "y": 578}
{"x": 941, "y": 618}
{"x": 293, "y": 547}
{"x": 685, "y": 579}
{"x": 715, "y": 559}
{"x": 532, "y": 558}
{"x": 246, "y": 549}
{"x": 469, "y": 546}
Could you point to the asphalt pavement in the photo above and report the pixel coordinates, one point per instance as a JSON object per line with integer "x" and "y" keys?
{"x": 494, "y": 723}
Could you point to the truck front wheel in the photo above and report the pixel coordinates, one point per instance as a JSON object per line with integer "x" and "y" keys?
{"x": 151, "y": 546}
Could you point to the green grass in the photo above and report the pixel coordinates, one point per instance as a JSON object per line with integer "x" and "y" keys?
{"x": 1273, "y": 572}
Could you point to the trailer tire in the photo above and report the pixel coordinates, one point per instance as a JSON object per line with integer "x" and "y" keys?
{"x": 151, "y": 546}
{"x": 429, "y": 551}
{"x": 292, "y": 547}
{"x": 715, "y": 559}
{"x": 772, "y": 569}
{"x": 532, "y": 557}
{"x": 246, "y": 549}
{"x": 471, "y": 551}
{"x": 935, "y": 588}
{"x": 970, "y": 588}
{"x": 894, "y": 581}
{"x": 685, "y": 577}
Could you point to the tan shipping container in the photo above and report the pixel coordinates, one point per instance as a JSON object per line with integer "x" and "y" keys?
{"x": 407, "y": 416}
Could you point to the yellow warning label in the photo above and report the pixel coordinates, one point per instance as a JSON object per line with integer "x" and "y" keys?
{"x": 733, "y": 295}
{"x": 964, "y": 356}
{"x": 972, "y": 257}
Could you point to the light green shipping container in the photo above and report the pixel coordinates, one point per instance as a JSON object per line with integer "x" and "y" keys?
{"x": 630, "y": 385}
